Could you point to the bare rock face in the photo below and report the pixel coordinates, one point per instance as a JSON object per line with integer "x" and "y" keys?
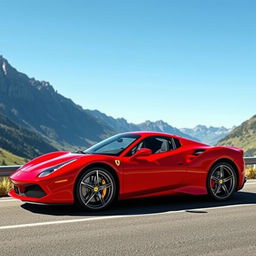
{"x": 36, "y": 105}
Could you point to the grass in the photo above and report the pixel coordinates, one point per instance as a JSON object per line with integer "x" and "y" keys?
{"x": 250, "y": 172}
{"x": 5, "y": 186}
{"x": 7, "y": 158}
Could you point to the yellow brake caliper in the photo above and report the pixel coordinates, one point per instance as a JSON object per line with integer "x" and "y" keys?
{"x": 104, "y": 191}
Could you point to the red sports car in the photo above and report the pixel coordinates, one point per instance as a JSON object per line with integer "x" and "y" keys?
{"x": 130, "y": 165}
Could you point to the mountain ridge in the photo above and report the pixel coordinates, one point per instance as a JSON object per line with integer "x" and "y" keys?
{"x": 37, "y": 107}
{"x": 122, "y": 125}
{"x": 209, "y": 134}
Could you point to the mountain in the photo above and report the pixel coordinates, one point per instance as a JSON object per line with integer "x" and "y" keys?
{"x": 54, "y": 119}
{"x": 209, "y": 135}
{"x": 121, "y": 125}
{"x": 243, "y": 136}
{"x": 161, "y": 126}
{"x": 36, "y": 105}
{"x": 21, "y": 141}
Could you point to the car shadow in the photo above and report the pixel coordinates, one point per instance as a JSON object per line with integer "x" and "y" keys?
{"x": 190, "y": 204}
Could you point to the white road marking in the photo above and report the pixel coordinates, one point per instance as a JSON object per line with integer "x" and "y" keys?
{"x": 115, "y": 217}
{"x": 9, "y": 200}
{"x": 249, "y": 182}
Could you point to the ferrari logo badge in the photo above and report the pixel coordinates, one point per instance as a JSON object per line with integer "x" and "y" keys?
{"x": 117, "y": 162}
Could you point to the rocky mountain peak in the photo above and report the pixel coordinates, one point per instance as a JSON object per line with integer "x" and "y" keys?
{"x": 210, "y": 135}
{"x": 3, "y": 65}
{"x": 35, "y": 104}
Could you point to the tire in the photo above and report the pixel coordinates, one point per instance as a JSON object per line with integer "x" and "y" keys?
{"x": 221, "y": 181}
{"x": 96, "y": 189}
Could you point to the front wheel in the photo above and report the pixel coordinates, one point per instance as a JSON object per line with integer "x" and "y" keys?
{"x": 221, "y": 181}
{"x": 96, "y": 189}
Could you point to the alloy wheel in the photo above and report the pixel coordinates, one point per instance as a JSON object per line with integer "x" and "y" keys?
{"x": 222, "y": 181}
{"x": 96, "y": 189}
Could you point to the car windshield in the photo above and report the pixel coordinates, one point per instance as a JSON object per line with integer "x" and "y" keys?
{"x": 113, "y": 146}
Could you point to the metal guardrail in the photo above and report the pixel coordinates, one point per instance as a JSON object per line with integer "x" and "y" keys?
{"x": 250, "y": 160}
{"x": 9, "y": 170}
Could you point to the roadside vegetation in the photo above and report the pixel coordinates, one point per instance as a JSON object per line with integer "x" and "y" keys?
{"x": 7, "y": 158}
{"x": 250, "y": 172}
{"x": 5, "y": 186}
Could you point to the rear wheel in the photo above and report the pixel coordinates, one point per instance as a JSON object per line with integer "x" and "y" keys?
{"x": 96, "y": 189}
{"x": 221, "y": 181}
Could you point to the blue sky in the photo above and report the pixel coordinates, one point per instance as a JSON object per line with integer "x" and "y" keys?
{"x": 186, "y": 62}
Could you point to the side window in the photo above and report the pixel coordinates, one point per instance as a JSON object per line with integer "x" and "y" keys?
{"x": 176, "y": 142}
{"x": 157, "y": 145}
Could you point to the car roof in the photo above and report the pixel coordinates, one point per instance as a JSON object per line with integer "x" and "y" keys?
{"x": 183, "y": 140}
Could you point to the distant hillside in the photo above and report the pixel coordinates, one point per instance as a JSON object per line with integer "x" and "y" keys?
{"x": 36, "y": 105}
{"x": 118, "y": 124}
{"x": 7, "y": 158}
{"x": 20, "y": 141}
{"x": 209, "y": 135}
{"x": 243, "y": 136}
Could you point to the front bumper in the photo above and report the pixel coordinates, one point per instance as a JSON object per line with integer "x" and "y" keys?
{"x": 34, "y": 191}
{"x": 45, "y": 191}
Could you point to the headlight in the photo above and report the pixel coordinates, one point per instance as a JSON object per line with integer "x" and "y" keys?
{"x": 54, "y": 168}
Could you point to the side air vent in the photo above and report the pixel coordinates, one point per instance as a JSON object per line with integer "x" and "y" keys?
{"x": 199, "y": 152}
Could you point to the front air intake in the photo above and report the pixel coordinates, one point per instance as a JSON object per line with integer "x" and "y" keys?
{"x": 34, "y": 191}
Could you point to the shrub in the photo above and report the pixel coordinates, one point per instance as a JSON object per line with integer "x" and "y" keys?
{"x": 5, "y": 186}
{"x": 250, "y": 172}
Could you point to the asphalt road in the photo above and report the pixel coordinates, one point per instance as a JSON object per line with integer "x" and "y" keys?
{"x": 181, "y": 225}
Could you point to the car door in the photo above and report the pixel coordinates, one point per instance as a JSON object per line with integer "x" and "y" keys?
{"x": 161, "y": 171}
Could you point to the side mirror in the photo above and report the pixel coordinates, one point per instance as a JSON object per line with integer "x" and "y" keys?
{"x": 142, "y": 152}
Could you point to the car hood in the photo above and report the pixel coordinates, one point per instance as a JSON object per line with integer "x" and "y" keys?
{"x": 49, "y": 160}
